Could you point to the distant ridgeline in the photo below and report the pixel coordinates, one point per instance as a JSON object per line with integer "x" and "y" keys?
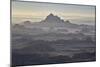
{"x": 50, "y": 18}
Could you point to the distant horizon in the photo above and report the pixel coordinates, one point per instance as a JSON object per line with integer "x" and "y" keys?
{"x": 36, "y": 11}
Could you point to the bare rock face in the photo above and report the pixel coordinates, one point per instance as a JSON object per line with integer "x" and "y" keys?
{"x": 52, "y": 18}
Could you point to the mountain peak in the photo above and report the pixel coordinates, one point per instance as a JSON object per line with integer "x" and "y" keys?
{"x": 50, "y": 14}
{"x": 53, "y": 18}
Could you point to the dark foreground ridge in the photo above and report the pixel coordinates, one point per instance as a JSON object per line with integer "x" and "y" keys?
{"x": 38, "y": 59}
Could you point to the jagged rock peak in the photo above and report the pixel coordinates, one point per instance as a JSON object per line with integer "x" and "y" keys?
{"x": 50, "y": 14}
{"x": 52, "y": 18}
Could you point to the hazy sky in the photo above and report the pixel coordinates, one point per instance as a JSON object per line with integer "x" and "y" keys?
{"x": 36, "y": 11}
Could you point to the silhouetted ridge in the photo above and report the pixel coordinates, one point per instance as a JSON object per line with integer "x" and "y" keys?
{"x": 27, "y": 22}
{"x": 53, "y": 18}
{"x": 50, "y": 14}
